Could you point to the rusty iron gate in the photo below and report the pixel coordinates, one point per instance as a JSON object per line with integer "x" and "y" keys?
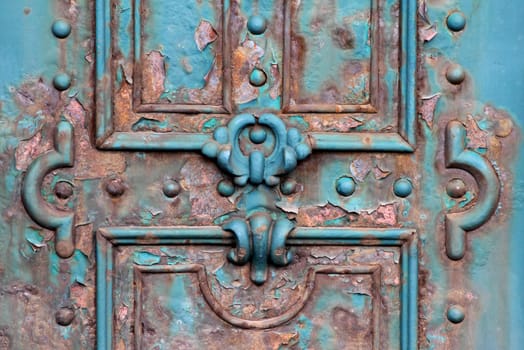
{"x": 261, "y": 174}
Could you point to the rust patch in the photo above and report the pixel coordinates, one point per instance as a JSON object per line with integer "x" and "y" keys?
{"x": 427, "y": 109}
{"x": 360, "y": 168}
{"x": 28, "y": 150}
{"x": 245, "y": 59}
{"x": 153, "y": 76}
{"x": 318, "y": 215}
{"x": 385, "y": 214}
{"x": 339, "y": 124}
{"x": 276, "y": 83}
{"x": 477, "y": 138}
{"x": 205, "y": 34}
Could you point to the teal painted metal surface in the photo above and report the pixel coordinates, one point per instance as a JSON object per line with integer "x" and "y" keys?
{"x": 146, "y": 176}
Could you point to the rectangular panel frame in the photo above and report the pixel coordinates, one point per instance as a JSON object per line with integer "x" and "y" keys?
{"x": 110, "y": 237}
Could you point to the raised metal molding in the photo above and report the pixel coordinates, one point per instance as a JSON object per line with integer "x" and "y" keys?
{"x": 110, "y": 237}
{"x": 41, "y": 211}
{"x": 106, "y": 138}
{"x": 457, "y": 156}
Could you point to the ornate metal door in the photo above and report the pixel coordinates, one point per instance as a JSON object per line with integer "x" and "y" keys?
{"x": 261, "y": 174}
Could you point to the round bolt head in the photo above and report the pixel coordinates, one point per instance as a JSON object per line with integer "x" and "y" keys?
{"x": 257, "y": 134}
{"x": 171, "y": 188}
{"x": 456, "y": 21}
{"x": 256, "y": 25}
{"x": 402, "y": 188}
{"x": 456, "y": 314}
{"x": 257, "y": 77}
{"x": 456, "y": 188}
{"x": 62, "y": 81}
{"x": 288, "y": 187}
{"x": 346, "y": 186}
{"x": 61, "y": 28}
{"x": 115, "y": 187}
{"x": 225, "y": 188}
{"x": 455, "y": 74}
{"x": 64, "y": 316}
{"x": 63, "y": 190}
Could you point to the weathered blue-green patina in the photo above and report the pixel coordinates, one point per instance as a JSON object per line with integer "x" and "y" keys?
{"x": 269, "y": 174}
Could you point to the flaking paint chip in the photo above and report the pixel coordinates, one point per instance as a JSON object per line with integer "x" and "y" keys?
{"x": 205, "y": 34}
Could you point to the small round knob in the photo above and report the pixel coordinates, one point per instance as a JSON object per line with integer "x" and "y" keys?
{"x": 171, "y": 188}
{"x": 455, "y": 74}
{"x": 402, "y": 188}
{"x": 61, "y": 28}
{"x": 63, "y": 190}
{"x": 456, "y": 314}
{"x": 65, "y": 316}
{"x": 257, "y": 134}
{"x": 456, "y": 21}
{"x": 62, "y": 81}
{"x": 256, "y": 25}
{"x": 115, "y": 187}
{"x": 257, "y": 77}
{"x": 288, "y": 187}
{"x": 346, "y": 186}
{"x": 456, "y": 188}
{"x": 225, "y": 188}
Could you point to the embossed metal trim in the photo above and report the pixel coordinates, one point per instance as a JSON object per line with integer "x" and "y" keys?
{"x": 458, "y": 157}
{"x": 106, "y": 137}
{"x": 37, "y": 207}
{"x": 108, "y": 238}
{"x": 286, "y": 316}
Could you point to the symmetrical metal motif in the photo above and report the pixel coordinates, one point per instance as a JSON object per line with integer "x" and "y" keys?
{"x": 457, "y": 156}
{"x": 37, "y": 207}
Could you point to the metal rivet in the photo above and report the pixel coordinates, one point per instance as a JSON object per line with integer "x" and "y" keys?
{"x": 226, "y": 188}
{"x": 456, "y": 314}
{"x": 115, "y": 187}
{"x": 256, "y": 25}
{"x": 257, "y": 77}
{"x": 456, "y": 21}
{"x": 456, "y": 188}
{"x": 171, "y": 188}
{"x": 288, "y": 187}
{"x": 346, "y": 186}
{"x": 455, "y": 74}
{"x": 257, "y": 134}
{"x": 64, "y": 316}
{"x": 62, "y": 81}
{"x": 402, "y": 188}
{"x": 63, "y": 190}
{"x": 61, "y": 29}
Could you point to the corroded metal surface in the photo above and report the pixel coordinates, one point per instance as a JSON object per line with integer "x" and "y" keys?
{"x": 271, "y": 174}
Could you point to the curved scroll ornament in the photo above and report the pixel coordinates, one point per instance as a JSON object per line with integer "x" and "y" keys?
{"x": 273, "y": 151}
{"x": 41, "y": 211}
{"x": 457, "y": 156}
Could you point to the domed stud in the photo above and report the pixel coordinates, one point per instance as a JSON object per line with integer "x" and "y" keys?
{"x": 61, "y": 28}
{"x": 63, "y": 190}
{"x": 257, "y": 134}
{"x": 456, "y": 21}
{"x": 62, "y": 81}
{"x": 346, "y": 186}
{"x": 256, "y": 24}
{"x": 455, "y": 74}
{"x": 456, "y": 314}
{"x": 288, "y": 187}
{"x": 225, "y": 188}
{"x": 257, "y": 77}
{"x": 64, "y": 316}
{"x": 171, "y": 188}
{"x": 402, "y": 188}
{"x": 456, "y": 188}
{"x": 115, "y": 187}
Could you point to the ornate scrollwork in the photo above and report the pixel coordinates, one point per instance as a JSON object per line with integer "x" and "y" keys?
{"x": 457, "y": 156}
{"x": 37, "y": 207}
{"x": 256, "y": 152}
